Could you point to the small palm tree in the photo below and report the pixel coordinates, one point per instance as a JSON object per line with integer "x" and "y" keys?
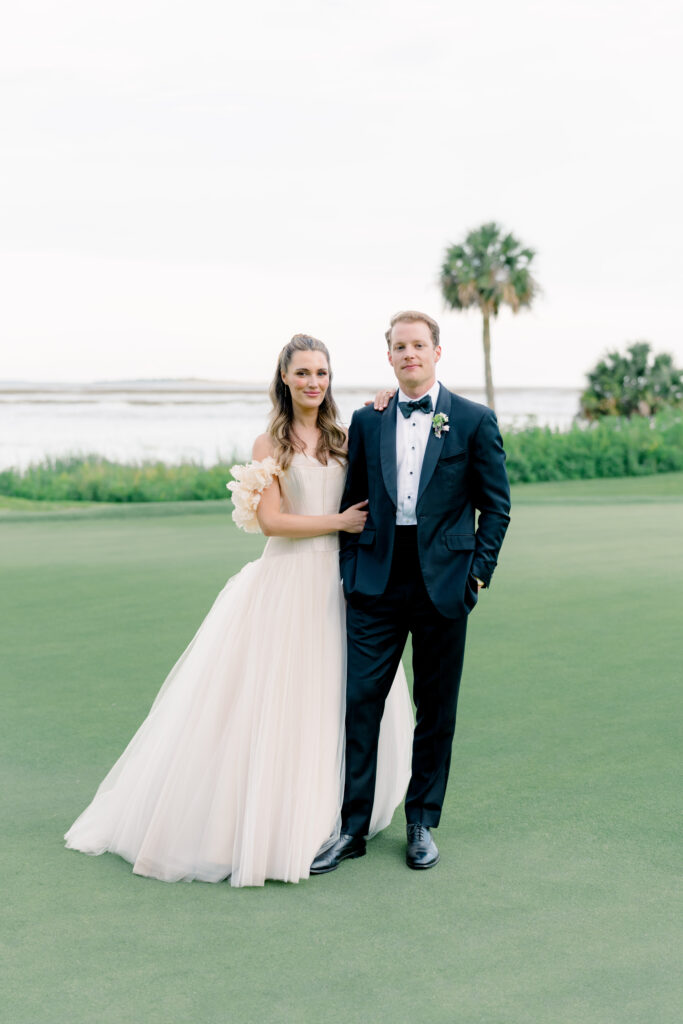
{"x": 636, "y": 383}
{"x": 487, "y": 270}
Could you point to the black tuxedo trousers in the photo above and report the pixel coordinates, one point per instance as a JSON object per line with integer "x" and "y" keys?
{"x": 377, "y": 630}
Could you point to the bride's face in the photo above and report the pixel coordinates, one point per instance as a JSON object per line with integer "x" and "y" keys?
{"x": 308, "y": 378}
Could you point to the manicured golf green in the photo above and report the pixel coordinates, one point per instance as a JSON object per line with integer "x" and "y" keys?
{"x": 555, "y": 899}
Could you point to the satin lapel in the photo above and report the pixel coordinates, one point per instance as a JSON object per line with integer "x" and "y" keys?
{"x": 434, "y": 444}
{"x": 387, "y": 447}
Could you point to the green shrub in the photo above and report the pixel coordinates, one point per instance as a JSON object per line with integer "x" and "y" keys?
{"x": 612, "y": 446}
{"x": 92, "y": 478}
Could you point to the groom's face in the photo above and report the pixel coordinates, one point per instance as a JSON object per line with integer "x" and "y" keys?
{"x": 413, "y": 355}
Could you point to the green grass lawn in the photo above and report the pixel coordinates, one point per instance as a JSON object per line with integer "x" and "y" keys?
{"x": 555, "y": 899}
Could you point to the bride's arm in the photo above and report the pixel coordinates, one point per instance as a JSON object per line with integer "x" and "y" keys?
{"x": 275, "y": 523}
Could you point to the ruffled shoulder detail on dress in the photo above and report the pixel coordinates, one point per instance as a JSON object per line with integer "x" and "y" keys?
{"x": 252, "y": 479}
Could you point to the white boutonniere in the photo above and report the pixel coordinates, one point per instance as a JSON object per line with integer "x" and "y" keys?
{"x": 440, "y": 424}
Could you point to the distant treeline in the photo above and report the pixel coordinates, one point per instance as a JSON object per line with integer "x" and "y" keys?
{"x": 612, "y": 447}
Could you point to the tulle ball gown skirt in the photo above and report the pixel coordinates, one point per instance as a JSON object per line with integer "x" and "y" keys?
{"x": 238, "y": 768}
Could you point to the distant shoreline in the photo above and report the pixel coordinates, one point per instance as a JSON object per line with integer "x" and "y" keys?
{"x": 205, "y": 388}
{"x": 193, "y": 420}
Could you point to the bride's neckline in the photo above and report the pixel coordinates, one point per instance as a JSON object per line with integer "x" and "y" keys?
{"x": 312, "y": 458}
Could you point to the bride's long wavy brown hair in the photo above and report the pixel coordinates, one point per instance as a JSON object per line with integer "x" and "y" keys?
{"x": 281, "y": 425}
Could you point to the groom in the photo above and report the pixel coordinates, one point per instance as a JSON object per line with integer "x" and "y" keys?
{"x": 426, "y": 465}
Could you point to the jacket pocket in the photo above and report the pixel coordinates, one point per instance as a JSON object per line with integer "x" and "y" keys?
{"x": 366, "y": 538}
{"x": 446, "y": 460}
{"x": 460, "y": 541}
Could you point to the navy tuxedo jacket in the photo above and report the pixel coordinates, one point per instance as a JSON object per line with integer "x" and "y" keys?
{"x": 463, "y": 472}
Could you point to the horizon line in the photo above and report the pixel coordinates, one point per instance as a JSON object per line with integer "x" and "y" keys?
{"x": 256, "y": 385}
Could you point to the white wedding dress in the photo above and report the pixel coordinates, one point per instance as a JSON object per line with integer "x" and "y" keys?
{"x": 238, "y": 768}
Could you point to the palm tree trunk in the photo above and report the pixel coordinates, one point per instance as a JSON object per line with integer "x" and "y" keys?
{"x": 487, "y": 362}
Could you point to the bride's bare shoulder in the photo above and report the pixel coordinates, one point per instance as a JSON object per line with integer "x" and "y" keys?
{"x": 263, "y": 447}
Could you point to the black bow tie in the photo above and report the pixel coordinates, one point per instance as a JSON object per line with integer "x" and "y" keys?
{"x": 423, "y": 404}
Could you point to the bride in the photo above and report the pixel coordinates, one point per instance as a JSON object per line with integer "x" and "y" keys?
{"x": 238, "y": 768}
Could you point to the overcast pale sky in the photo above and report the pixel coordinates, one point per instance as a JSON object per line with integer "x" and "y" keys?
{"x": 186, "y": 184}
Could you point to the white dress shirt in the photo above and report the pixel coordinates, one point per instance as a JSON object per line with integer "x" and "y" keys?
{"x": 412, "y": 434}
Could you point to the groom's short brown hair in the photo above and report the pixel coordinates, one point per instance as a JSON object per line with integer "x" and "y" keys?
{"x": 412, "y": 316}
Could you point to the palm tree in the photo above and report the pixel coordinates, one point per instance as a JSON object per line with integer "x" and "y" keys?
{"x": 487, "y": 270}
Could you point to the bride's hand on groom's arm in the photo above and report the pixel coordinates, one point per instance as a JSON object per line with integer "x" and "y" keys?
{"x": 353, "y": 519}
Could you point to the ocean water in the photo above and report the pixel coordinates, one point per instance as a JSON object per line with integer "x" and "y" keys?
{"x": 200, "y": 421}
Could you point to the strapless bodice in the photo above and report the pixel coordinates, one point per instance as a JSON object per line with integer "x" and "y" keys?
{"x": 309, "y": 489}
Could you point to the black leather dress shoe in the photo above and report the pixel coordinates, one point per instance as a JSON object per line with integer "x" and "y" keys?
{"x": 422, "y": 851}
{"x": 345, "y": 848}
